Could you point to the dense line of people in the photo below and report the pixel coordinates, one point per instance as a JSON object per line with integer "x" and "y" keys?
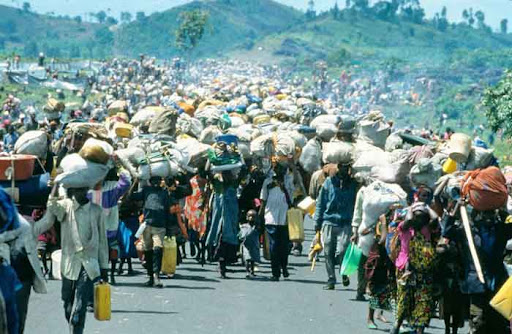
{"x": 418, "y": 258}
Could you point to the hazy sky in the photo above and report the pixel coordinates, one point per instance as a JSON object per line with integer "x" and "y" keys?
{"x": 494, "y": 9}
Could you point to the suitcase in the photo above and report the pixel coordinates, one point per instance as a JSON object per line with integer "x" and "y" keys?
{"x": 102, "y": 310}
{"x": 170, "y": 256}
{"x": 295, "y": 225}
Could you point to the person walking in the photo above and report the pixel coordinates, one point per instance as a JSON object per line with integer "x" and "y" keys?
{"x": 84, "y": 250}
{"x": 276, "y": 200}
{"x": 333, "y": 217}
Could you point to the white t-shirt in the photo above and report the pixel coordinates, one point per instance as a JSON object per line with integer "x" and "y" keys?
{"x": 276, "y": 205}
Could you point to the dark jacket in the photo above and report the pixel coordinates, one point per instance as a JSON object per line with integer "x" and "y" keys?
{"x": 157, "y": 204}
{"x": 335, "y": 203}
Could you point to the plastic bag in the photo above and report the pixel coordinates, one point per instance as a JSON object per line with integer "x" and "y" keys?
{"x": 351, "y": 260}
{"x": 209, "y": 134}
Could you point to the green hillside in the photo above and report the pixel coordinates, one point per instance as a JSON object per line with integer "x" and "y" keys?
{"x": 28, "y": 33}
{"x": 232, "y": 24}
{"x": 359, "y": 39}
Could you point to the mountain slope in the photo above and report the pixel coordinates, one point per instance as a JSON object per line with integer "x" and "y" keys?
{"x": 232, "y": 24}
{"x": 29, "y": 33}
{"x": 365, "y": 39}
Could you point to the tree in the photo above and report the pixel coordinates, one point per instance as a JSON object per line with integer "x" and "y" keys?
{"x": 191, "y": 29}
{"x": 101, "y": 16}
{"x": 480, "y": 17}
{"x": 140, "y": 16}
{"x": 26, "y": 7}
{"x": 111, "y": 21}
{"x": 360, "y": 5}
{"x": 504, "y": 26}
{"x": 497, "y": 101}
{"x": 311, "y": 12}
{"x": 78, "y": 19}
{"x": 104, "y": 36}
{"x": 126, "y": 17}
{"x": 336, "y": 11}
{"x": 384, "y": 10}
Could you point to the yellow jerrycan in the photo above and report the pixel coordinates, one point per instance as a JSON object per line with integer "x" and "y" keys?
{"x": 449, "y": 166}
{"x": 295, "y": 224}
{"x": 102, "y": 307}
{"x": 170, "y": 256}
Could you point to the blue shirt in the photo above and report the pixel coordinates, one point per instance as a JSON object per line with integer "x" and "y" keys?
{"x": 336, "y": 202}
{"x": 9, "y": 140}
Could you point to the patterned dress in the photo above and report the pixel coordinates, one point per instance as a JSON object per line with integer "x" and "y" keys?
{"x": 415, "y": 300}
{"x": 195, "y": 206}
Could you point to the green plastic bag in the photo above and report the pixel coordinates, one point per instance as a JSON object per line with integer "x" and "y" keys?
{"x": 351, "y": 260}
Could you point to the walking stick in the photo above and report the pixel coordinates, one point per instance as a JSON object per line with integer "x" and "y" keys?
{"x": 471, "y": 243}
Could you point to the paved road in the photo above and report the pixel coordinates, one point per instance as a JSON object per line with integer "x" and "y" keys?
{"x": 197, "y": 301}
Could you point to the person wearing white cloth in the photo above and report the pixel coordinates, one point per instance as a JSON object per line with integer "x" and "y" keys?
{"x": 84, "y": 250}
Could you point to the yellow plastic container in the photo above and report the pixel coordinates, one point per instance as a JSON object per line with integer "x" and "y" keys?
{"x": 502, "y": 301}
{"x": 308, "y": 205}
{"x": 102, "y": 306}
{"x": 170, "y": 256}
{"x": 296, "y": 224}
{"x": 123, "y": 130}
{"x": 449, "y": 166}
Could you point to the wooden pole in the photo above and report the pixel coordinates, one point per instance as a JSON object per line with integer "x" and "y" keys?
{"x": 471, "y": 243}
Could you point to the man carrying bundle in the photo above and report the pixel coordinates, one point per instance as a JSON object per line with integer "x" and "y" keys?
{"x": 333, "y": 217}
{"x": 84, "y": 250}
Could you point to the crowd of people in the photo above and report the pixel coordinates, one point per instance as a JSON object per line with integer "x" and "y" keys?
{"x": 229, "y": 207}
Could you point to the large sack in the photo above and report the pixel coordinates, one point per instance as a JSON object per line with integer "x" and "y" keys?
{"x": 209, "y": 134}
{"x": 96, "y": 151}
{"x": 479, "y": 158}
{"x": 80, "y": 173}
{"x": 33, "y": 143}
{"x": 393, "y": 142}
{"x": 299, "y": 139}
{"x": 378, "y": 197}
{"x": 485, "y": 189}
{"x": 54, "y": 106}
{"x": 374, "y": 132}
{"x": 197, "y": 151}
{"x": 146, "y": 115}
{"x": 426, "y": 173}
{"x": 164, "y": 123}
{"x": 336, "y": 152}
{"x": 395, "y": 172}
{"x": 420, "y": 152}
{"x": 325, "y": 119}
{"x": 117, "y": 106}
{"x": 284, "y": 145}
{"x": 326, "y": 132}
{"x": 311, "y": 156}
{"x": 190, "y": 126}
{"x": 368, "y": 156}
{"x": 130, "y": 158}
{"x": 273, "y": 144}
